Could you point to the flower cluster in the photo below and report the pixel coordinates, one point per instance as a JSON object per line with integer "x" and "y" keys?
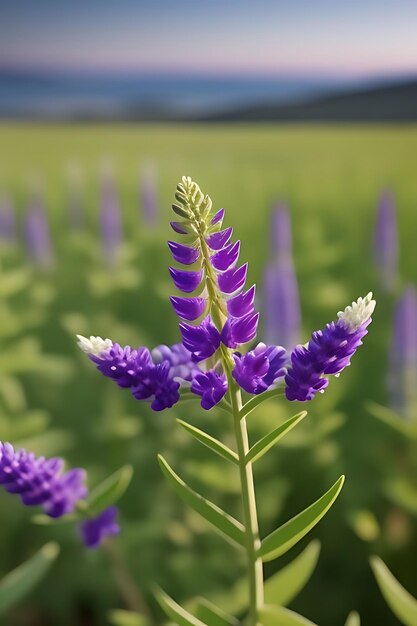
{"x": 41, "y": 482}
{"x": 217, "y": 320}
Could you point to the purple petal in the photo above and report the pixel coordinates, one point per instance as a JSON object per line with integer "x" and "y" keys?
{"x": 202, "y": 341}
{"x": 186, "y": 281}
{"x": 183, "y": 254}
{"x": 188, "y": 308}
{"x": 226, "y": 258}
{"x": 233, "y": 280}
{"x": 218, "y": 217}
{"x": 241, "y": 305}
{"x": 219, "y": 240}
{"x": 179, "y": 228}
{"x": 239, "y": 331}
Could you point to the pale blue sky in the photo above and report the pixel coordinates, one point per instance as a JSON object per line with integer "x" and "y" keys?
{"x": 355, "y": 37}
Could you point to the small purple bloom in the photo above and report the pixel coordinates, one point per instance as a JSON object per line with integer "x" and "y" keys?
{"x": 202, "y": 341}
{"x": 156, "y": 384}
{"x": 186, "y": 281}
{"x": 188, "y": 308}
{"x": 182, "y": 367}
{"x": 226, "y": 258}
{"x": 123, "y": 365}
{"x": 219, "y": 240}
{"x": 211, "y": 386}
{"x": 260, "y": 368}
{"x": 186, "y": 255}
{"x": 40, "y": 481}
{"x": 240, "y": 330}
{"x": 329, "y": 351}
{"x": 93, "y": 531}
{"x": 233, "y": 280}
{"x": 218, "y": 218}
{"x": 386, "y": 241}
{"x": 110, "y": 219}
{"x": 242, "y": 304}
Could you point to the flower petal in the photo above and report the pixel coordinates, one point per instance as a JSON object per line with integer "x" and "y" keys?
{"x": 186, "y": 281}
{"x": 188, "y": 308}
{"x": 226, "y": 258}
{"x": 219, "y": 240}
{"x": 233, "y": 280}
{"x": 187, "y": 255}
{"x": 242, "y": 304}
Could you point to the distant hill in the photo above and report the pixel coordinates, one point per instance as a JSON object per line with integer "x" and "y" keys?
{"x": 385, "y": 103}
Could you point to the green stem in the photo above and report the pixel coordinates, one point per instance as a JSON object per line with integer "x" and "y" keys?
{"x": 253, "y": 542}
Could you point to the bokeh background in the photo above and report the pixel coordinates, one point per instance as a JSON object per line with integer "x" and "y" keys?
{"x": 303, "y": 108}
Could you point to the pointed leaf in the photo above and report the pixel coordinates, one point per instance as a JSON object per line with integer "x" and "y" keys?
{"x": 110, "y": 490}
{"x": 353, "y": 619}
{"x": 223, "y": 522}
{"x": 392, "y": 419}
{"x": 19, "y": 582}
{"x": 266, "y": 443}
{"x": 278, "y": 616}
{"x": 286, "y": 584}
{"x": 401, "y": 603}
{"x": 212, "y": 615}
{"x": 287, "y": 535}
{"x": 175, "y": 612}
{"x": 254, "y": 402}
{"x": 217, "y": 446}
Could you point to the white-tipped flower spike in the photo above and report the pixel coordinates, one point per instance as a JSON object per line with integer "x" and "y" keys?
{"x": 358, "y": 312}
{"x": 94, "y": 345}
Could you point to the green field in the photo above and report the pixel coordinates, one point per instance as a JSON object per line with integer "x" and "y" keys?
{"x": 53, "y": 400}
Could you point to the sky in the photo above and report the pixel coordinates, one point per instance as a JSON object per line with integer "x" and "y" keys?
{"x": 271, "y": 37}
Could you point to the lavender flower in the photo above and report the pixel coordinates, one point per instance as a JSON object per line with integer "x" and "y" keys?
{"x": 149, "y": 194}
{"x": 110, "y": 219}
{"x": 155, "y": 377}
{"x": 7, "y": 221}
{"x": 93, "y": 531}
{"x": 281, "y": 297}
{"x": 402, "y": 377}
{"x": 37, "y": 236}
{"x": 386, "y": 241}
{"x": 259, "y": 369}
{"x": 41, "y": 481}
{"x": 329, "y": 351}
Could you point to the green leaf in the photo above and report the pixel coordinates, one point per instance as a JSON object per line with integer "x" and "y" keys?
{"x": 212, "y": 615}
{"x": 175, "y": 612}
{"x": 254, "y": 402}
{"x": 401, "y": 603}
{"x": 393, "y": 420}
{"x": 110, "y": 490}
{"x": 278, "y": 616}
{"x": 266, "y": 443}
{"x": 287, "y": 535}
{"x": 119, "y": 617}
{"x": 286, "y": 584}
{"x": 223, "y": 522}
{"x": 353, "y": 619}
{"x": 217, "y": 446}
{"x": 19, "y": 582}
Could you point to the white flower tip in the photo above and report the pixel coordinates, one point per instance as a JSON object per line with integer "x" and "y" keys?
{"x": 358, "y": 312}
{"x": 93, "y": 345}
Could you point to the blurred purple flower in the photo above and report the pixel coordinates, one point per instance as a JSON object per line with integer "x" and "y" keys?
{"x": 93, "y": 531}
{"x": 37, "y": 235}
{"x": 7, "y": 221}
{"x": 110, "y": 219}
{"x": 281, "y": 297}
{"x": 402, "y": 376}
{"x": 386, "y": 241}
{"x": 149, "y": 194}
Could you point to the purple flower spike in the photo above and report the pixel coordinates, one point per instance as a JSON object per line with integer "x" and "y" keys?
{"x": 40, "y": 481}
{"x": 188, "y": 308}
{"x": 185, "y": 255}
{"x": 402, "y": 376}
{"x": 202, "y": 341}
{"x": 226, "y": 258}
{"x": 241, "y": 305}
{"x": 182, "y": 368}
{"x": 123, "y": 365}
{"x": 329, "y": 351}
{"x": 219, "y": 240}
{"x": 186, "y": 281}
{"x": 94, "y": 531}
{"x": 281, "y": 233}
{"x": 218, "y": 218}
{"x": 259, "y": 369}
{"x": 110, "y": 219}
{"x": 386, "y": 242}
{"x": 282, "y": 304}
{"x": 157, "y": 383}
{"x": 211, "y": 386}
{"x": 232, "y": 281}
{"x": 238, "y": 331}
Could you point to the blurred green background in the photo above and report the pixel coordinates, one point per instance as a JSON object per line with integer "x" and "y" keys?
{"x": 53, "y": 401}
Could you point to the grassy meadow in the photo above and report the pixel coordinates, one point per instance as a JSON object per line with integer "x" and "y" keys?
{"x": 53, "y": 401}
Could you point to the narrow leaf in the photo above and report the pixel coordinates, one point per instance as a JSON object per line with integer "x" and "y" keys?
{"x": 392, "y": 419}
{"x": 401, "y": 603}
{"x": 266, "y": 443}
{"x": 278, "y": 616}
{"x": 19, "y": 582}
{"x": 217, "y": 446}
{"x": 223, "y": 522}
{"x": 286, "y": 584}
{"x": 175, "y": 612}
{"x": 287, "y": 535}
{"x": 110, "y": 490}
{"x": 254, "y": 402}
{"x": 212, "y": 615}
{"x": 353, "y": 619}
